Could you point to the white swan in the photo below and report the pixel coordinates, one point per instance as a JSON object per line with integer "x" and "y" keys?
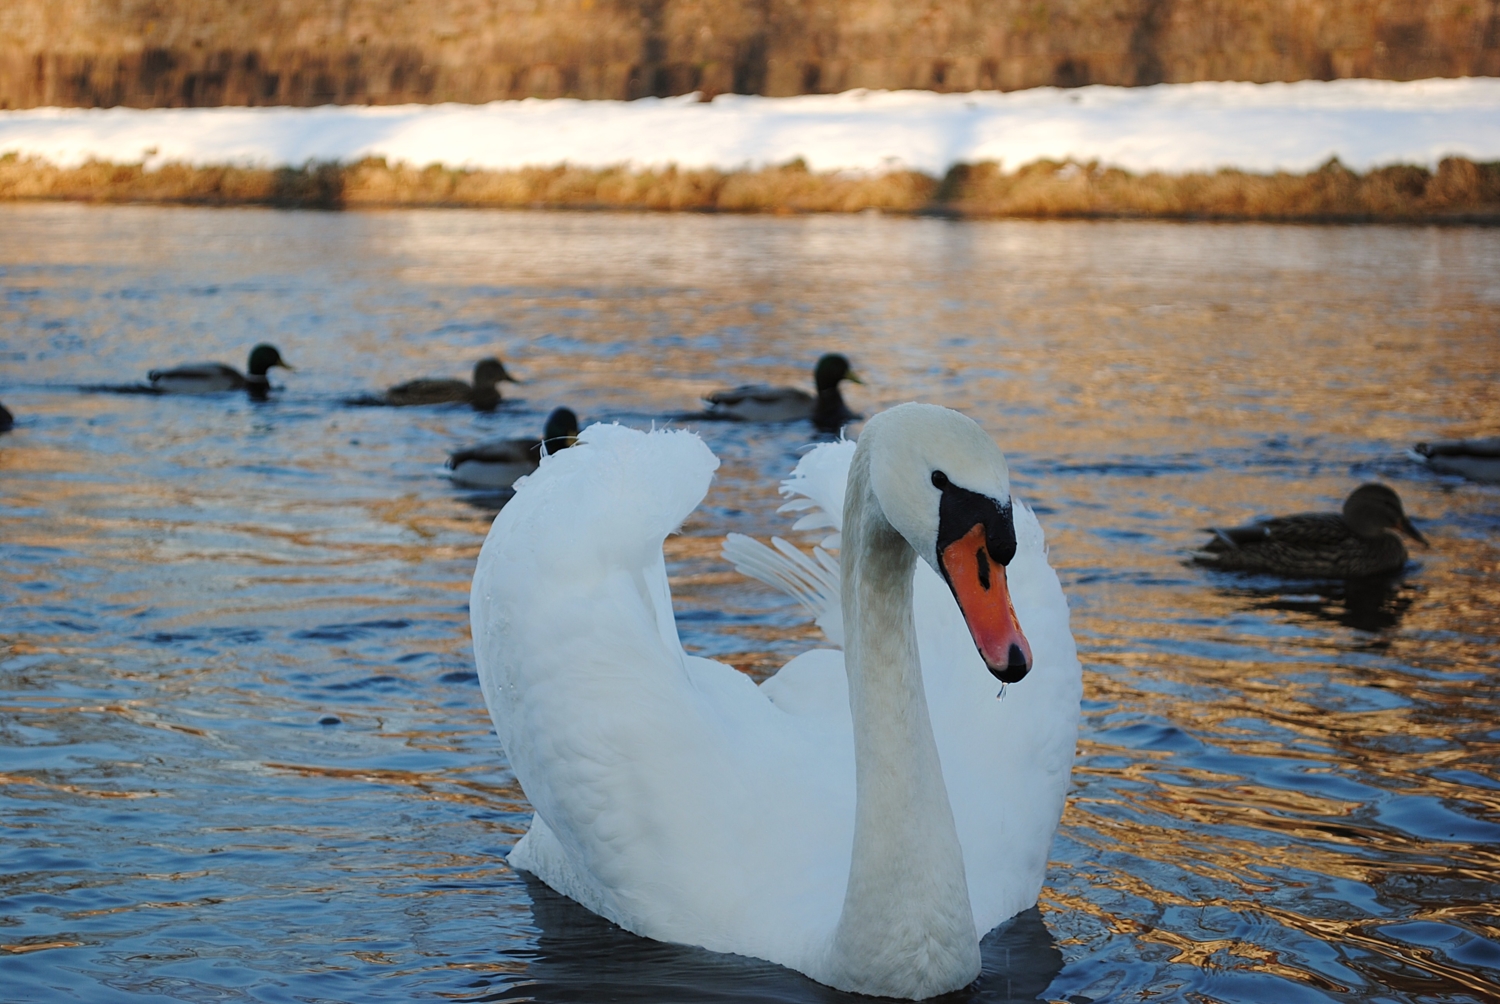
{"x": 867, "y": 848}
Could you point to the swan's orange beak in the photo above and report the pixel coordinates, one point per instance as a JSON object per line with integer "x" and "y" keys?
{"x": 979, "y": 586}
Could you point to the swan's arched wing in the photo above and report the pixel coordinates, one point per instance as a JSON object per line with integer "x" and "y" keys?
{"x": 678, "y": 800}
{"x": 816, "y": 491}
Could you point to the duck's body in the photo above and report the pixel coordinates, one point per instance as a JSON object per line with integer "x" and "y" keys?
{"x": 765, "y": 403}
{"x": 215, "y": 378}
{"x": 482, "y": 395}
{"x": 499, "y": 463}
{"x": 868, "y": 848}
{"x": 7, "y": 420}
{"x": 1475, "y": 459}
{"x": 1361, "y": 541}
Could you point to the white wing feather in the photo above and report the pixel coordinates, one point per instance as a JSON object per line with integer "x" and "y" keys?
{"x": 816, "y": 489}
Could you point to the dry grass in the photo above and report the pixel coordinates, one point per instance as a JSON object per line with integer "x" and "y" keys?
{"x": 1459, "y": 189}
{"x": 1333, "y": 192}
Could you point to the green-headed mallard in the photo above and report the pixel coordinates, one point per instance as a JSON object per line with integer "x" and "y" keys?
{"x": 764, "y": 403}
{"x": 212, "y": 378}
{"x": 1358, "y": 542}
{"x": 498, "y": 463}
{"x": 1475, "y": 459}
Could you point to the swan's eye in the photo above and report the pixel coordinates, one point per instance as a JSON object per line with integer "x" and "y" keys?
{"x": 940, "y": 481}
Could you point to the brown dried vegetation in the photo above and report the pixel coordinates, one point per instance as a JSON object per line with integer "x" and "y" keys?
{"x": 199, "y": 53}
{"x": 1460, "y": 190}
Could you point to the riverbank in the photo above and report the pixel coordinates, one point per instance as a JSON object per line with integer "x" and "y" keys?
{"x": 1458, "y": 190}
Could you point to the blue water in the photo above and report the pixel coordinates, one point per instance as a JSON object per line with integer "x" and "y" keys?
{"x": 243, "y": 751}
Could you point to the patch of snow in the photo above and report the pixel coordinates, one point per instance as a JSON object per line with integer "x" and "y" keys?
{"x": 1167, "y": 127}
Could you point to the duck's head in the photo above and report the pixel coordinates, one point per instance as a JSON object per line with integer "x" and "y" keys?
{"x": 831, "y": 369}
{"x": 945, "y": 487}
{"x": 262, "y": 358}
{"x": 489, "y": 371}
{"x": 1372, "y": 509}
{"x": 561, "y": 430}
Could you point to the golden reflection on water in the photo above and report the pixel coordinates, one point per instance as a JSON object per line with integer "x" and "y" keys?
{"x": 1273, "y": 778}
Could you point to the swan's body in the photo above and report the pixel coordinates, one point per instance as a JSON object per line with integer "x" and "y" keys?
{"x": 1475, "y": 459}
{"x": 214, "y": 378}
{"x": 767, "y": 403}
{"x": 869, "y": 850}
{"x": 500, "y": 463}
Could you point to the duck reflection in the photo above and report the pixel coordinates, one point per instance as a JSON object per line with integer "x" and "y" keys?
{"x": 1368, "y": 604}
{"x": 582, "y": 958}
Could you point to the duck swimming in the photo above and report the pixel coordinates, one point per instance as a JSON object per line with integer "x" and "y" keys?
{"x": 1475, "y": 459}
{"x": 1360, "y": 541}
{"x": 764, "y": 403}
{"x": 213, "y": 378}
{"x": 482, "y": 395}
{"x": 863, "y": 816}
{"x": 497, "y": 463}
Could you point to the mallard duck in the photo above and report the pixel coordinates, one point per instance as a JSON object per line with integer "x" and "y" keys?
{"x": 7, "y": 420}
{"x": 498, "y": 463}
{"x": 1360, "y": 541}
{"x": 212, "y": 378}
{"x": 482, "y": 395}
{"x": 764, "y": 403}
{"x": 1475, "y": 459}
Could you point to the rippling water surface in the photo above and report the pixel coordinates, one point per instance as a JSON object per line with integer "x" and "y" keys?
{"x": 242, "y": 747}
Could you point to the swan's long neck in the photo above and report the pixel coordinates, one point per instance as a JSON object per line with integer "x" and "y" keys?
{"x": 907, "y": 927}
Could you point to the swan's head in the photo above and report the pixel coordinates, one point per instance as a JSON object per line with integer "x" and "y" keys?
{"x": 944, "y": 485}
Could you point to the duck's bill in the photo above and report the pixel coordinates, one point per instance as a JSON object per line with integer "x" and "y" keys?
{"x": 983, "y": 596}
{"x": 853, "y": 377}
{"x": 286, "y": 365}
{"x": 1412, "y": 532}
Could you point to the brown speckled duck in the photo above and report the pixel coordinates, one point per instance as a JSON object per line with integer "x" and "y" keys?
{"x": 1361, "y": 541}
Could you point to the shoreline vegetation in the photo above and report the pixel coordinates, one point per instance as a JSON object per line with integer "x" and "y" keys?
{"x": 1459, "y": 191}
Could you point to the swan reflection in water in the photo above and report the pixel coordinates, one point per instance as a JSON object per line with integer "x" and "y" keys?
{"x": 582, "y": 959}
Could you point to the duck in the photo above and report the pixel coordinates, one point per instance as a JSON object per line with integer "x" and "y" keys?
{"x": 1475, "y": 459}
{"x": 213, "y": 378}
{"x": 764, "y": 403}
{"x": 7, "y": 420}
{"x": 482, "y": 395}
{"x": 1360, "y": 541}
{"x": 868, "y": 812}
{"x": 498, "y": 463}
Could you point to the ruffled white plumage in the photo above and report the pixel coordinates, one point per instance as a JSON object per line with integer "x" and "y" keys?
{"x": 679, "y": 800}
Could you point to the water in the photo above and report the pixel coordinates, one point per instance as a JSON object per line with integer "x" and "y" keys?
{"x": 1283, "y": 791}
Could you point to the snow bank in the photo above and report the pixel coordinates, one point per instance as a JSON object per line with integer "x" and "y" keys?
{"x": 1169, "y": 127}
